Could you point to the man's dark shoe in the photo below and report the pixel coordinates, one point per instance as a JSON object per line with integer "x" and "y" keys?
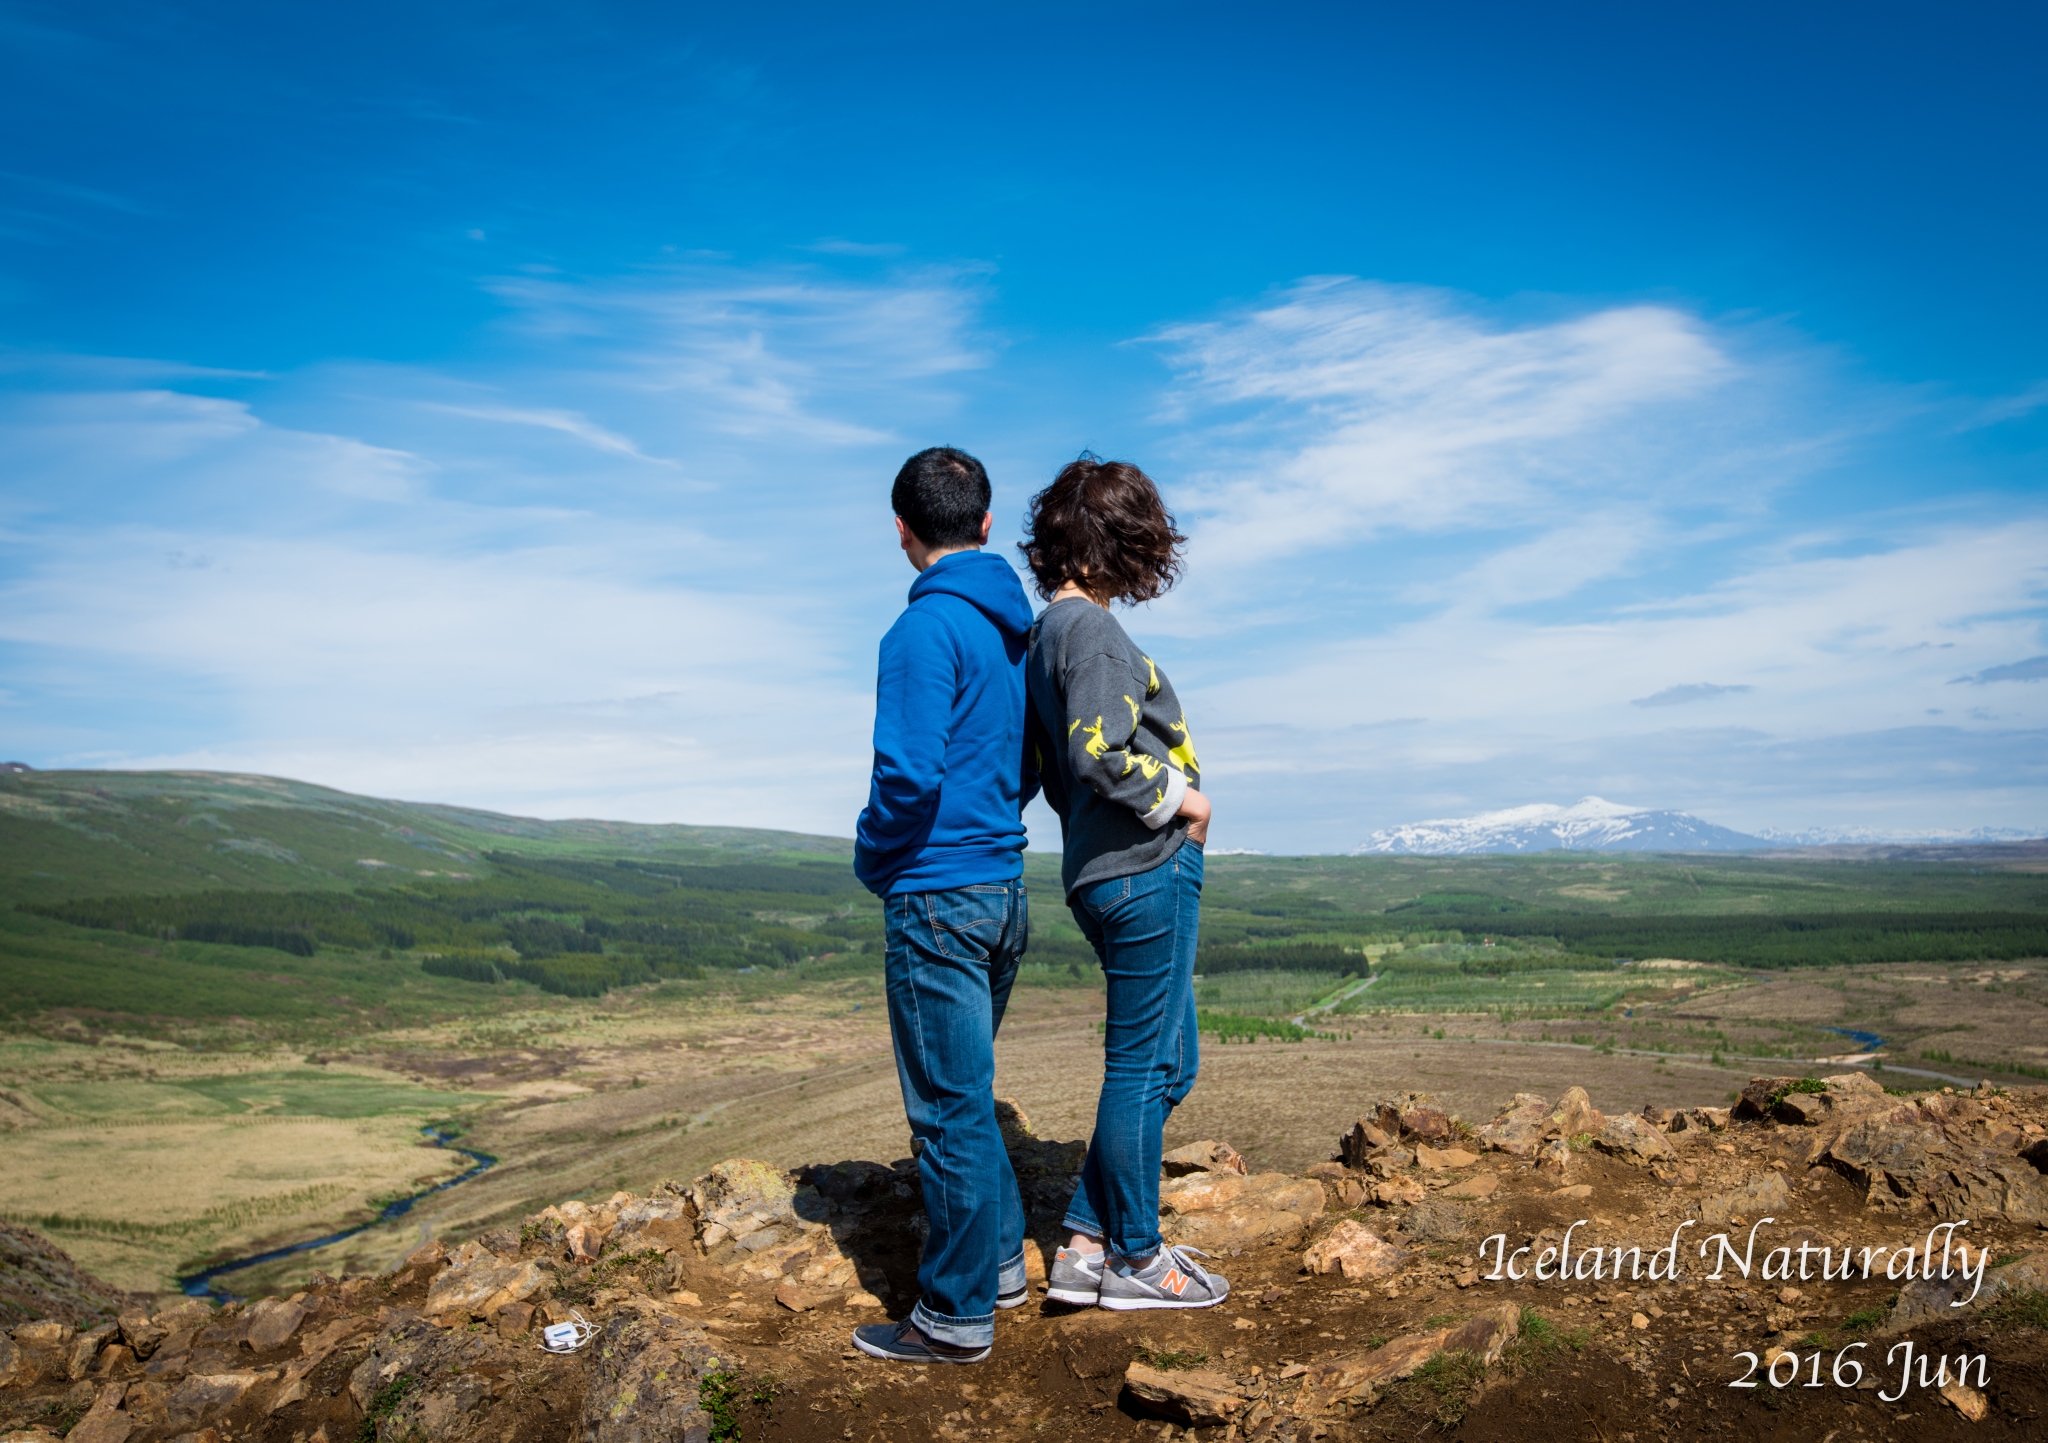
{"x": 903, "y": 1343}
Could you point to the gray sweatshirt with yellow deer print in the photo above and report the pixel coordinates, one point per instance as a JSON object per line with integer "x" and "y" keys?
{"x": 1109, "y": 742}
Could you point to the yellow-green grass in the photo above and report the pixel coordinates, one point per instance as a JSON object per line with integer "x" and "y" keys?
{"x": 138, "y": 1199}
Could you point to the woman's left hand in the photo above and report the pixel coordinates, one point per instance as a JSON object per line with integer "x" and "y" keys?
{"x": 1195, "y": 807}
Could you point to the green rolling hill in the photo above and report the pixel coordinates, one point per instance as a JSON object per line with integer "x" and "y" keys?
{"x": 66, "y": 834}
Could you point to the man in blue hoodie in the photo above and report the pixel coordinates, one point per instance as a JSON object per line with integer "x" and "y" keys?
{"x": 942, "y": 843}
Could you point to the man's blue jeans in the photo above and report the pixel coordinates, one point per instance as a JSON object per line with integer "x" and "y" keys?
{"x": 952, "y": 959}
{"x": 1143, "y": 928}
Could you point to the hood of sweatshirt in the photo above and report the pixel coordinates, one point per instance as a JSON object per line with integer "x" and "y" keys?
{"x": 986, "y": 580}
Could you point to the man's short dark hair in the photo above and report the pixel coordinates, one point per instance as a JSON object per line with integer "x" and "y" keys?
{"x": 942, "y": 494}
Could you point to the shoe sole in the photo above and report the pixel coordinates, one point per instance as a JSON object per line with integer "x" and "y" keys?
{"x": 888, "y": 1357}
{"x": 1132, "y": 1305}
{"x": 1071, "y": 1295}
{"x": 1014, "y": 1300}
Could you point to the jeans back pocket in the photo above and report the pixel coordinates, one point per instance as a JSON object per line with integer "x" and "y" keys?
{"x": 967, "y": 922}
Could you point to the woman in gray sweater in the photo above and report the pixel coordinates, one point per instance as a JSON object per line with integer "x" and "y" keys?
{"x": 1111, "y": 747}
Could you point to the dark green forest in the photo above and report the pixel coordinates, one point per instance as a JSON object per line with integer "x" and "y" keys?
{"x": 579, "y": 928}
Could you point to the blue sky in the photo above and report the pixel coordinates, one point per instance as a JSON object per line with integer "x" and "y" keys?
{"x": 497, "y": 403}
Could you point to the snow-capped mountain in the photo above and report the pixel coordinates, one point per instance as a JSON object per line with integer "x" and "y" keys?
{"x": 1591, "y": 824}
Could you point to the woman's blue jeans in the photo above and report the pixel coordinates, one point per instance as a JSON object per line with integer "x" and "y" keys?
{"x": 952, "y": 958}
{"x": 1143, "y": 928}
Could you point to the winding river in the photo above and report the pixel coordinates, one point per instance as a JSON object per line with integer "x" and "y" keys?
{"x": 202, "y": 1284}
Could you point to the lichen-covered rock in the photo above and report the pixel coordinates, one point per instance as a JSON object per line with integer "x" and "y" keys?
{"x": 1354, "y": 1250}
{"x": 1573, "y": 1115}
{"x": 420, "y": 1381}
{"x": 741, "y": 1198}
{"x": 1932, "y": 1300}
{"x": 477, "y": 1283}
{"x": 643, "y": 1373}
{"x": 1359, "y": 1377}
{"x": 1220, "y": 1211}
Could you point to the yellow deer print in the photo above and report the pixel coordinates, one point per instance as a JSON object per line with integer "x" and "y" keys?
{"x": 1096, "y": 745}
{"x": 1134, "y": 712}
{"x": 1148, "y": 765}
{"x": 1151, "y": 679}
{"x": 1184, "y": 755}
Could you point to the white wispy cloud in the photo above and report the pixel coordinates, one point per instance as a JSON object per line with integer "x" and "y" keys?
{"x": 1343, "y": 409}
{"x": 569, "y": 423}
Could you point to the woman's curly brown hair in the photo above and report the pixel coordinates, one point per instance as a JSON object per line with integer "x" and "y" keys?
{"x": 1102, "y": 525}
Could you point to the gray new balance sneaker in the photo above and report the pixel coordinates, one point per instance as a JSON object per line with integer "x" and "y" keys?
{"x": 1171, "y": 1279}
{"x": 1076, "y": 1278}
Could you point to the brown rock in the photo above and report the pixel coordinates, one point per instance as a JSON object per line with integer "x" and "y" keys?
{"x": 1965, "y": 1399}
{"x": 272, "y": 1322}
{"x": 1358, "y": 1377}
{"x": 116, "y": 1359}
{"x": 1325, "y": 1171}
{"x": 1355, "y": 1250}
{"x": 1390, "y": 1162}
{"x": 140, "y": 1332}
{"x": 1398, "y": 1192}
{"x": 1351, "y": 1193}
{"x": 1431, "y": 1159}
{"x": 1366, "y": 1134}
{"x": 512, "y": 1320}
{"x": 477, "y": 1283}
{"x": 104, "y": 1423}
{"x": 1767, "y": 1196}
{"x": 1221, "y": 1211}
{"x": 585, "y": 1242}
{"x": 1633, "y": 1140}
{"x": 82, "y": 1349}
{"x": 800, "y": 1299}
{"x": 323, "y": 1341}
{"x": 1196, "y": 1397}
{"x": 1203, "y": 1157}
{"x": 1426, "y": 1120}
{"x": 203, "y": 1397}
{"x": 1801, "y": 1108}
{"x": 1518, "y": 1130}
{"x": 1482, "y": 1185}
{"x": 10, "y": 1361}
{"x": 1554, "y": 1157}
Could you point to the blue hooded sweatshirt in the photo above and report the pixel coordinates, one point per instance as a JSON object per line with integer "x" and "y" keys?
{"x": 945, "y": 807}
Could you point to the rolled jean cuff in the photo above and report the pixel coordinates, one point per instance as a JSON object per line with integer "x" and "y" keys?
{"x": 960, "y": 1332}
{"x": 1010, "y": 1276}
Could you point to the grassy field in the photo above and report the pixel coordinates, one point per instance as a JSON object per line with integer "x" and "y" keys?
{"x": 146, "y": 1162}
